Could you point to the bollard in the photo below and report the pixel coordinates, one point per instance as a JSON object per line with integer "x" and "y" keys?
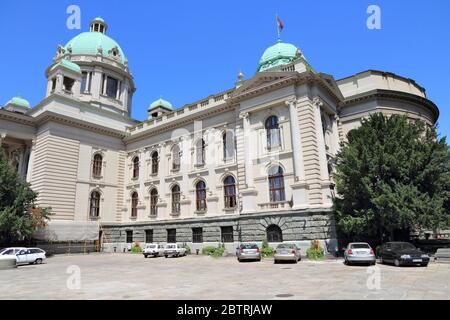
{"x": 115, "y": 249}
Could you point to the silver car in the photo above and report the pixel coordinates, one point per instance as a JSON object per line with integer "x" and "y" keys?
{"x": 248, "y": 251}
{"x": 359, "y": 252}
{"x": 286, "y": 252}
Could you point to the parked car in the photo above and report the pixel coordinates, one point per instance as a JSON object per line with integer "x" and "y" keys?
{"x": 174, "y": 250}
{"x": 30, "y": 256}
{"x": 359, "y": 252}
{"x": 11, "y": 251}
{"x": 248, "y": 251}
{"x": 402, "y": 253}
{"x": 286, "y": 252}
{"x": 153, "y": 250}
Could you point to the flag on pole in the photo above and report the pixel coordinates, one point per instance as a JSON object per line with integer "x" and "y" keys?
{"x": 279, "y": 24}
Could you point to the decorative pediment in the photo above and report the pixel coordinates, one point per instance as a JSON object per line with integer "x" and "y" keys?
{"x": 263, "y": 81}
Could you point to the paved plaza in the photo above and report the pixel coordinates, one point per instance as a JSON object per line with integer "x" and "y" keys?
{"x": 130, "y": 276}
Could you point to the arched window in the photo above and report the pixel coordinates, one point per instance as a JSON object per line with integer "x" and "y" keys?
{"x": 229, "y": 186}
{"x": 176, "y": 195}
{"x": 94, "y": 204}
{"x": 273, "y": 133}
{"x": 274, "y": 233}
{"x": 134, "y": 204}
{"x": 155, "y": 162}
{"x": 136, "y": 167}
{"x": 176, "y": 158}
{"x": 228, "y": 145}
{"x": 97, "y": 165}
{"x": 200, "y": 189}
{"x": 153, "y": 202}
{"x": 200, "y": 151}
{"x": 276, "y": 184}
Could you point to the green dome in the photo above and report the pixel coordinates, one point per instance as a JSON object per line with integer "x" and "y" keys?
{"x": 89, "y": 42}
{"x": 278, "y": 55}
{"x": 18, "y": 101}
{"x": 160, "y": 103}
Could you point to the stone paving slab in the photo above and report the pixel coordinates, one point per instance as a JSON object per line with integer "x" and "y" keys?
{"x": 130, "y": 276}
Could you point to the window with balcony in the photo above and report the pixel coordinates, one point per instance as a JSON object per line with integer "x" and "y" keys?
{"x": 134, "y": 204}
{"x": 229, "y": 186}
{"x": 176, "y": 195}
{"x": 153, "y": 202}
{"x": 94, "y": 205}
{"x": 200, "y": 190}
{"x": 276, "y": 184}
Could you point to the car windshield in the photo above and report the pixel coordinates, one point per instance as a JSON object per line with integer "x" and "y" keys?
{"x": 402, "y": 246}
{"x": 2, "y": 251}
{"x": 359, "y": 246}
{"x": 286, "y": 246}
{"x": 249, "y": 246}
{"x": 171, "y": 246}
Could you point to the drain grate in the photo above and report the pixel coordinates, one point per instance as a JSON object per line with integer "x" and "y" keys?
{"x": 286, "y": 268}
{"x": 284, "y": 295}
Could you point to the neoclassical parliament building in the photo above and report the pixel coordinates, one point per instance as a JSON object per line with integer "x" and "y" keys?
{"x": 249, "y": 163}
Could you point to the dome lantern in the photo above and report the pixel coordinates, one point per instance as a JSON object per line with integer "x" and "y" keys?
{"x": 98, "y": 25}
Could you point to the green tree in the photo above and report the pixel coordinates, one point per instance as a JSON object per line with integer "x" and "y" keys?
{"x": 19, "y": 216}
{"x": 392, "y": 177}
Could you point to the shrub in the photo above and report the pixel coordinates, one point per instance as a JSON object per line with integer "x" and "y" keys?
{"x": 208, "y": 250}
{"x": 213, "y": 251}
{"x": 266, "y": 251}
{"x": 136, "y": 248}
{"x": 315, "y": 252}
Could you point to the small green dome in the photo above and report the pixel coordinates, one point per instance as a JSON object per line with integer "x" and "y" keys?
{"x": 68, "y": 65}
{"x": 98, "y": 19}
{"x": 160, "y": 103}
{"x": 277, "y": 55}
{"x": 18, "y": 101}
{"x": 89, "y": 43}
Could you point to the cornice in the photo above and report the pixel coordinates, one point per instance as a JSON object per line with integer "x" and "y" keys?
{"x": 392, "y": 95}
{"x": 17, "y": 117}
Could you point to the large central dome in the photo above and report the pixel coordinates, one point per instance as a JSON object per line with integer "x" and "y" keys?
{"x": 94, "y": 42}
{"x": 277, "y": 55}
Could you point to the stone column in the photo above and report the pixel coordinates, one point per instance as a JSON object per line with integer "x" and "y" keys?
{"x": 249, "y": 193}
{"x": 299, "y": 188}
{"x": 324, "y": 175}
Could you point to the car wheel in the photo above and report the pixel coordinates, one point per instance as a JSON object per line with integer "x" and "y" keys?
{"x": 38, "y": 261}
{"x": 145, "y": 256}
{"x": 397, "y": 262}
{"x": 165, "y": 256}
{"x": 373, "y": 263}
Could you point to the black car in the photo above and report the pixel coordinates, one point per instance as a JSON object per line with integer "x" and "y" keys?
{"x": 402, "y": 253}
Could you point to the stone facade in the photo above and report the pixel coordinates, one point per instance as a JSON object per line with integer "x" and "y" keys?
{"x": 259, "y": 154}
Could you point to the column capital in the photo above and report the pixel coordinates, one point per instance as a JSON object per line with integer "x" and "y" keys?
{"x": 244, "y": 115}
{"x": 291, "y": 101}
{"x": 317, "y": 101}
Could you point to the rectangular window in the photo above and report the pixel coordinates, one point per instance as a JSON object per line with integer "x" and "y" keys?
{"x": 86, "y": 82}
{"x": 227, "y": 234}
{"x": 68, "y": 84}
{"x": 148, "y": 236}
{"x": 171, "y": 235}
{"x": 197, "y": 235}
{"x": 53, "y": 84}
{"x": 111, "y": 87}
{"x": 129, "y": 236}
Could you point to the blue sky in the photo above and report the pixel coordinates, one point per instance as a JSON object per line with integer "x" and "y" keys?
{"x": 187, "y": 50}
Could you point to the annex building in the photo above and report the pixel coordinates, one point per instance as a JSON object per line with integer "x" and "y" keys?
{"x": 249, "y": 163}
